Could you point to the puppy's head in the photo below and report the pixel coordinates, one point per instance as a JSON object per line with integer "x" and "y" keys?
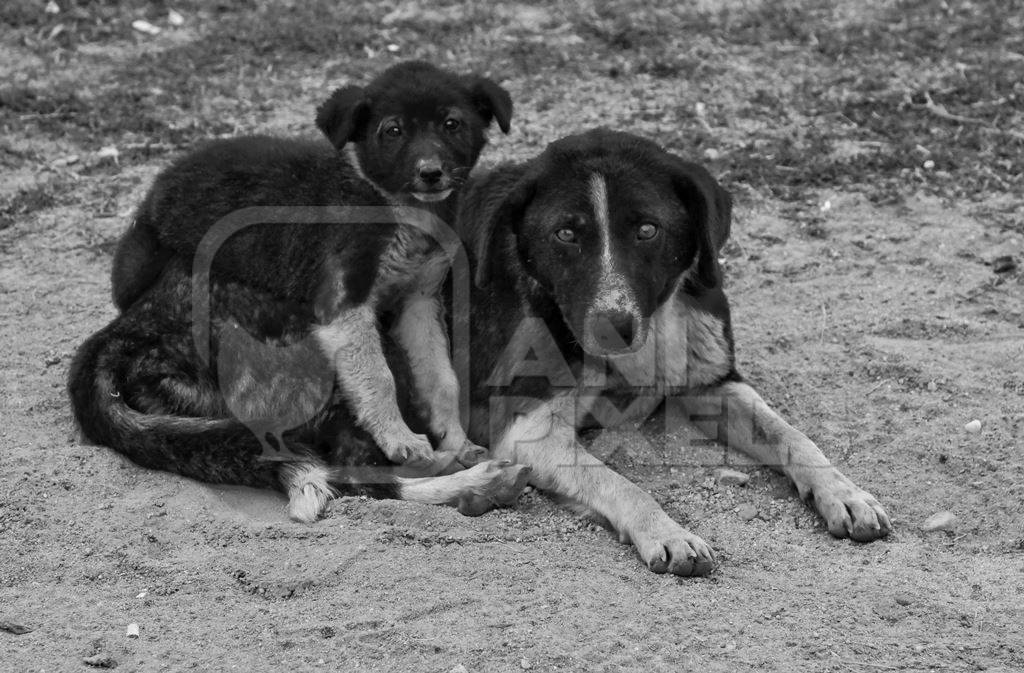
{"x": 608, "y": 225}
{"x": 415, "y": 130}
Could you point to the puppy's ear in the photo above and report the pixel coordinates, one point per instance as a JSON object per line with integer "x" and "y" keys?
{"x": 490, "y": 100}
{"x": 494, "y": 207}
{"x": 710, "y": 207}
{"x": 343, "y": 116}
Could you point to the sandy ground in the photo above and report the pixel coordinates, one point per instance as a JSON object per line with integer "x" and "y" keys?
{"x": 880, "y": 330}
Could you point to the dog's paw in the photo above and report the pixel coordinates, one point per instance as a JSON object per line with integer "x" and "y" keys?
{"x": 471, "y": 454}
{"x": 498, "y": 484}
{"x": 407, "y": 448}
{"x": 667, "y": 547}
{"x": 850, "y": 511}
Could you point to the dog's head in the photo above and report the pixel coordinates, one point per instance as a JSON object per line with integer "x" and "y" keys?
{"x": 608, "y": 225}
{"x": 415, "y": 130}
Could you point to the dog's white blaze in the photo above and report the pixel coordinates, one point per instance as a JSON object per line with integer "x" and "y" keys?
{"x": 612, "y": 292}
{"x": 599, "y": 199}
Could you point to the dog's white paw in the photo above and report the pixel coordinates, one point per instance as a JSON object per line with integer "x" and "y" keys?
{"x": 667, "y": 547}
{"x": 500, "y": 483}
{"x": 848, "y": 510}
{"x": 407, "y": 448}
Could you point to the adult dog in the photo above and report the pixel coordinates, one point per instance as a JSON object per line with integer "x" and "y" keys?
{"x": 597, "y": 277}
{"x": 409, "y": 138}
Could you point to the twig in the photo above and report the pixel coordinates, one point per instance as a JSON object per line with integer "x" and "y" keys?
{"x": 941, "y": 112}
{"x": 877, "y": 386}
{"x": 854, "y": 664}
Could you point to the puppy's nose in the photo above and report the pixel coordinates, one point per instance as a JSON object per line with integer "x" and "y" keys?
{"x": 614, "y": 330}
{"x": 430, "y": 172}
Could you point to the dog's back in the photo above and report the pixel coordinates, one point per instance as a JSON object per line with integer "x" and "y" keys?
{"x": 409, "y": 138}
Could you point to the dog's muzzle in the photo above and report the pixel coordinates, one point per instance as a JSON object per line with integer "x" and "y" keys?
{"x": 613, "y": 332}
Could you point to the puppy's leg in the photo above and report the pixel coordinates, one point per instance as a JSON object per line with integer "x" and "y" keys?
{"x": 544, "y": 438}
{"x": 420, "y": 333}
{"x": 352, "y": 343}
{"x": 754, "y": 428}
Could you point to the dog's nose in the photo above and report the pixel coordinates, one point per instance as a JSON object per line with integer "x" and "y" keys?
{"x": 430, "y": 172}
{"x": 614, "y": 330}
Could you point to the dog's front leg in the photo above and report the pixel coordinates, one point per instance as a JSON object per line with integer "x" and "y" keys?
{"x": 352, "y": 342}
{"x": 544, "y": 438}
{"x": 753, "y": 427}
{"x": 420, "y": 333}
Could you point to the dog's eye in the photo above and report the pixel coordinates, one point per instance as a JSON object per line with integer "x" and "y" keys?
{"x": 646, "y": 231}
{"x": 566, "y": 235}
{"x": 452, "y": 124}
{"x": 393, "y": 130}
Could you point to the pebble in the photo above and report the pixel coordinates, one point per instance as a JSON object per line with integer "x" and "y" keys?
{"x": 940, "y": 521}
{"x": 903, "y": 599}
{"x": 459, "y": 669}
{"x": 100, "y": 661}
{"x": 727, "y": 477}
{"x": 1004, "y": 264}
{"x": 133, "y": 630}
{"x": 747, "y": 512}
{"x": 525, "y": 664}
{"x": 145, "y": 27}
{"x": 974, "y": 427}
{"x": 175, "y": 18}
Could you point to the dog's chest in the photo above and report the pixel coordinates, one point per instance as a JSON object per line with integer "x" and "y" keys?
{"x": 412, "y": 262}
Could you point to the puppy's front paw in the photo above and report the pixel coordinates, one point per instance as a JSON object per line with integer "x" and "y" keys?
{"x": 665, "y": 546}
{"x": 407, "y": 448}
{"x": 848, "y": 510}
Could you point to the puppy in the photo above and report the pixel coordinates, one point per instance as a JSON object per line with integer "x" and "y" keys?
{"x": 409, "y": 138}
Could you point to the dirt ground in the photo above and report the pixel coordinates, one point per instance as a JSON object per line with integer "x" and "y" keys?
{"x": 875, "y": 153}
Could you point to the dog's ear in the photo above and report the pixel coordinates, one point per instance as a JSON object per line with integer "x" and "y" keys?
{"x": 490, "y": 100}
{"x": 343, "y": 116}
{"x": 710, "y": 207}
{"x": 496, "y": 206}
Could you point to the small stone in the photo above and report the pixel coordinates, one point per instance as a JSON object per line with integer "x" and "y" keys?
{"x": 940, "y": 521}
{"x": 16, "y": 629}
{"x": 928, "y": 165}
{"x": 974, "y": 427}
{"x": 175, "y": 18}
{"x": 141, "y": 594}
{"x": 145, "y": 27}
{"x": 932, "y": 386}
{"x": 903, "y": 599}
{"x": 747, "y": 512}
{"x": 727, "y": 477}
{"x": 1004, "y": 264}
{"x": 100, "y": 661}
{"x": 133, "y": 630}
{"x": 393, "y": 48}
{"x": 52, "y": 8}
{"x": 459, "y": 669}
{"x": 108, "y": 152}
{"x": 525, "y": 664}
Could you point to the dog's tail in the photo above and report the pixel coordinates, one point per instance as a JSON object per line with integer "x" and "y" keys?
{"x": 138, "y": 260}
{"x": 210, "y": 449}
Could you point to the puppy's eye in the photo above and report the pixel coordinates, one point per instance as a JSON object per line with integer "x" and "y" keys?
{"x": 393, "y": 130}
{"x": 452, "y": 124}
{"x": 566, "y": 235}
{"x": 646, "y": 231}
